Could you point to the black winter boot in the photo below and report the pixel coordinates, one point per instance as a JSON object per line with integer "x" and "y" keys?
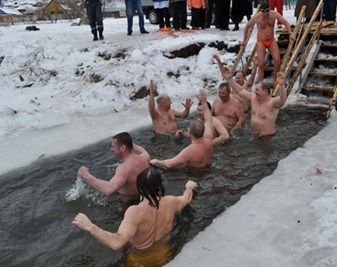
{"x": 236, "y": 28}
{"x": 100, "y": 31}
{"x": 94, "y": 32}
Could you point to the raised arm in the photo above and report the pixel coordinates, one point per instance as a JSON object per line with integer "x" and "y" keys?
{"x": 226, "y": 73}
{"x": 151, "y": 104}
{"x": 202, "y": 97}
{"x": 280, "y": 100}
{"x": 184, "y": 114}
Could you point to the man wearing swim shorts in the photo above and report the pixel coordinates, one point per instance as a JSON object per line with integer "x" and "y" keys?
{"x": 265, "y": 21}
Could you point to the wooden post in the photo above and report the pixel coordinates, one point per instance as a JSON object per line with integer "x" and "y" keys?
{"x": 242, "y": 49}
{"x": 299, "y": 45}
{"x": 304, "y": 57}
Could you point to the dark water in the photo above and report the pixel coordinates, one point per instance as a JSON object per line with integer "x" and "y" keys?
{"x": 36, "y": 213}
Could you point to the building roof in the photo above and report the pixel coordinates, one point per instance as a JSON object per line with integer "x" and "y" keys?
{"x": 9, "y": 11}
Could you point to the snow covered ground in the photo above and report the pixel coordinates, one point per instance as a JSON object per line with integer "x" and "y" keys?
{"x": 50, "y": 104}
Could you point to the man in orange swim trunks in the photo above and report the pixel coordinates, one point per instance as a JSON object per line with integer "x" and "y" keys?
{"x": 265, "y": 21}
{"x": 267, "y": 43}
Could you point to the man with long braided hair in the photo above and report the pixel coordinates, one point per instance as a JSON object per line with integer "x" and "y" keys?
{"x": 144, "y": 224}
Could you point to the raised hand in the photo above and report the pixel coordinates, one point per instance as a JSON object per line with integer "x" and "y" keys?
{"x": 280, "y": 78}
{"x": 225, "y": 71}
{"x": 152, "y": 87}
{"x": 216, "y": 57}
{"x": 188, "y": 103}
{"x": 202, "y": 97}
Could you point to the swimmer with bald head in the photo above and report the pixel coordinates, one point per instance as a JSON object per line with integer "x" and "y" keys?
{"x": 164, "y": 117}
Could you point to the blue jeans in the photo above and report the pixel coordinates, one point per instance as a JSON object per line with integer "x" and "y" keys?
{"x": 131, "y": 6}
{"x": 94, "y": 12}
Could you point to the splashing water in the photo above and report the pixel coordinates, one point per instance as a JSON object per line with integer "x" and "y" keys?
{"x": 76, "y": 191}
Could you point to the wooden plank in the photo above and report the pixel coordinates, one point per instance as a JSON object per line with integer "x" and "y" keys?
{"x": 303, "y": 60}
{"x": 285, "y": 58}
{"x": 314, "y": 88}
{"x": 250, "y": 59}
{"x": 332, "y": 100}
{"x": 325, "y": 24}
{"x": 331, "y": 74}
{"x": 313, "y": 102}
{"x": 327, "y": 60}
{"x": 288, "y": 63}
{"x": 243, "y": 48}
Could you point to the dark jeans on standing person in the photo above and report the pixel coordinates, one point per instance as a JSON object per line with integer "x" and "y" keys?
{"x": 329, "y": 10}
{"x": 223, "y": 10}
{"x": 94, "y": 12}
{"x": 131, "y": 6}
{"x": 164, "y": 15}
{"x": 198, "y": 18}
{"x": 179, "y": 9}
{"x": 209, "y": 14}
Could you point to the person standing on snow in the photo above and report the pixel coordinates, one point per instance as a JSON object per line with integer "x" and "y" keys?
{"x": 162, "y": 8}
{"x": 94, "y": 12}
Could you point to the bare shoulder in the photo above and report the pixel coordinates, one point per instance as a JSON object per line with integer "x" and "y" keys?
{"x": 235, "y": 103}
{"x": 132, "y": 210}
{"x": 169, "y": 198}
{"x": 216, "y": 121}
{"x": 256, "y": 17}
{"x": 125, "y": 168}
{"x": 143, "y": 157}
{"x": 170, "y": 202}
{"x": 172, "y": 112}
{"x": 216, "y": 101}
{"x": 274, "y": 14}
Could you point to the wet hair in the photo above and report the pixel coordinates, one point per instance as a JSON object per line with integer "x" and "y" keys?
{"x": 125, "y": 139}
{"x": 225, "y": 85}
{"x": 150, "y": 186}
{"x": 208, "y": 105}
{"x": 265, "y": 86}
{"x": 197, "y": 128}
